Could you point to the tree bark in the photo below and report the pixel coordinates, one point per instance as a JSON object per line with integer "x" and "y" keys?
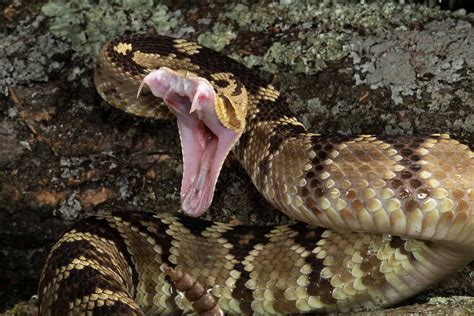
{"x": 65, "y": 154}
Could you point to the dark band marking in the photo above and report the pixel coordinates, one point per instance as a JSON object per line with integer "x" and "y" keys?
{"x": 308, "y": 237}
{"x": 398, "y": 243}
{"x": 81, "y": 283}
{"x": 221, "y": 83}
{"x": 468, "y": 143}
{"x": 97, "y": 227}
{"x": 101, "y": 228}
{"x": 67, "y": 251}
{"x": 124, "y": 60}
{"x": 409, "y": 187}
{"x": 160, "y": 236}
{"x": 322, "y": 147}
{"x": 238, "y": 88}
{"x": 244, "y": 239}
{"x": 268, "y": 110}
{"x": 195, "y": 226}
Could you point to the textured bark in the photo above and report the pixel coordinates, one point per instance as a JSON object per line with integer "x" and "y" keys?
{"x": 65, "y": 154}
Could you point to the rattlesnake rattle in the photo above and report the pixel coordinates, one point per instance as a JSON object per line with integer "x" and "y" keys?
{"x": 381, "y": 217}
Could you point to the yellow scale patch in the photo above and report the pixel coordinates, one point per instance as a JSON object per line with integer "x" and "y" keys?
{"x": 123, "y": 48}
{"x": 231, "y": 104}
{"x": 99, "y": 298}
{"x": 186, "y": 47}
{"x": 268, "y": 93}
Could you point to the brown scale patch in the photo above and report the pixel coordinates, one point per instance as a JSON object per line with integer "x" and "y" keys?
{"x": 281, "y": 133}
{"x": 450, "y": 163}
{"x": 154, "y": 228}
{"x": 93, "y": 237}
{"x": 149, "y": 242}
{"x": 195, "y": 227}
{"x": 319, "y": 286}
{"x": 410, "y": 189}
{"x": 71, "y": 292}
{"x": 97, "y": 227}
{"x": 263, "y": 115}
{"x": 351, "y": 266}
{"x": 243, "y": 295}
{"x": 329, "y": 255}
{"x": 371, "y": 267}
{"x": 158, "y": 233}
{"x": 189, "y": 245}
{"x": 282, "y": 305}
{"x": 399, "y": 243}
{"x": 366, "y": 175}
{"x": 322, "y": 148}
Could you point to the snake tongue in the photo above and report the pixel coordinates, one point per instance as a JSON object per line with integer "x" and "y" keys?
{"x": 205, "y": 141}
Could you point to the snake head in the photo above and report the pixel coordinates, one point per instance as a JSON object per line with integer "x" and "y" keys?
{"x": 210, "y": 121}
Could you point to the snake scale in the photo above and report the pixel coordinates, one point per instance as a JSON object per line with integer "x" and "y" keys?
{"x": 380, "y": 217}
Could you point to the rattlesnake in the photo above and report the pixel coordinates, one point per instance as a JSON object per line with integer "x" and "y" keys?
{"x": 386, "y": 216}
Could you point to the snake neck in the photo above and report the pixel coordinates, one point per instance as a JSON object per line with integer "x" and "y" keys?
{"x": 401, "y": 186}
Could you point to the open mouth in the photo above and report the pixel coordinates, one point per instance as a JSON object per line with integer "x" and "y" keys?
{"x": 205, "y": 141}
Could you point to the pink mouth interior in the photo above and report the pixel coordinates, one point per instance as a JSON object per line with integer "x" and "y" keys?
{"x": 205, "y": 141}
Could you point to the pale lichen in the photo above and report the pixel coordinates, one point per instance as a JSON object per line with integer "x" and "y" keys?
{"x": 241, "y": 14}
{"x": 220, "y": 36}
{"x": 87, "y": 26}
{"x": 25, "y": 58}
{"x": 318, "y": 32}
{"x": 419, "y": 63}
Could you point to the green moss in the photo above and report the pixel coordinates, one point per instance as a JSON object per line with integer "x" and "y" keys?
{"x": 303, "y": 58}
{"x": 220, "y": 36}
{"x": 241, "y": 14}
{"x": 317, "y": 32}
{"x": 88, "y": 25}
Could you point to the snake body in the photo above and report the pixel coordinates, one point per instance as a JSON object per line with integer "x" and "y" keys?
{"x": 384, "y": 216}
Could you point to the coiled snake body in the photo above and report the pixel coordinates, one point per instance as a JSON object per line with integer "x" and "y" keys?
{"x": 385, "y": 216}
